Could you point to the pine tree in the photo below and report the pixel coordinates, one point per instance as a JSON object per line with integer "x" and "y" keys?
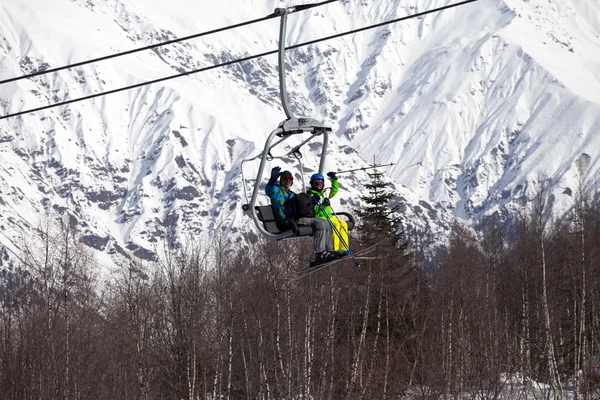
{"x": 378, "y": 217}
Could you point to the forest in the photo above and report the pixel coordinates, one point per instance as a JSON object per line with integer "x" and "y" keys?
{"x": 511, "y": 301}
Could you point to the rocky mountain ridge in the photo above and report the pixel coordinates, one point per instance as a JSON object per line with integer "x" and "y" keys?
{"x": 473, "y": 106}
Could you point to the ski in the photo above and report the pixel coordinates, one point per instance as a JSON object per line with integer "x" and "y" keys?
{"x": 361, "y": 257}
{"x": 354, "y": 256}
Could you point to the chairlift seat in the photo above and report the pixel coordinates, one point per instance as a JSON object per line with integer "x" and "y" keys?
{"x": 266, "y": 216}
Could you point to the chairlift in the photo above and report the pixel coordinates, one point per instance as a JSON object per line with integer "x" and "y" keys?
{"x": 305, "y": 130}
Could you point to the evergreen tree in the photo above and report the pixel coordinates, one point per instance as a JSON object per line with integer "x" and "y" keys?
{"x": 377, "y": 217}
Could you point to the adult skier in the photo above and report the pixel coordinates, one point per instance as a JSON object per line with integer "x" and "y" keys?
{"x": 284, "y": 210}
{"x": 340, "y": 227}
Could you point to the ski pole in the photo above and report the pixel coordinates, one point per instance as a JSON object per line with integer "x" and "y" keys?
{"x": 361, "y": 169}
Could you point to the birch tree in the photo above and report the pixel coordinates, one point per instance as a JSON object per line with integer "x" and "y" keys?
{"x": 541, "y": 215}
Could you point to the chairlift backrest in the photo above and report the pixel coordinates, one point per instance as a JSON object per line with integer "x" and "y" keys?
{"x": 265, "y": 215}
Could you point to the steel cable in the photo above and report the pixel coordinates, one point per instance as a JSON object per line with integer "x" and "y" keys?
{"x": 153, "y": 46}
{"x": 66, "y": 102}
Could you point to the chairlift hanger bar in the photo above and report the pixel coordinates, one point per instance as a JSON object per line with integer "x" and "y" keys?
{"x": 283, "y": 12}
{"x": 291, "y": 123}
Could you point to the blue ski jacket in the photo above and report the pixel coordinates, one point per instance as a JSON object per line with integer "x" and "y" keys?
{"x": 281, "y": 201}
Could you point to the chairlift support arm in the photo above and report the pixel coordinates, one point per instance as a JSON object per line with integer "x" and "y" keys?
{"x": 281, "y": 60}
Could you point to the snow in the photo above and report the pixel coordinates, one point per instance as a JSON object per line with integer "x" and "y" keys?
{"x": 471, "y": 104}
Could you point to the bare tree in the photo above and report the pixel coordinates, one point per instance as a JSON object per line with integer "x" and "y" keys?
{"x": 541, "y": 215}
{"x": 582, "y": 163}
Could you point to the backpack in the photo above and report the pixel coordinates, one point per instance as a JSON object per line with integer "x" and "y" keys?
{"x": 304, "y": 206}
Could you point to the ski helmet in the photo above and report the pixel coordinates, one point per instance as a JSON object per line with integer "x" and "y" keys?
{"x": 317, "y": 176}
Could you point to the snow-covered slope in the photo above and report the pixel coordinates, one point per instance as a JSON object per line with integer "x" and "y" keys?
{"x": 472, "y": 104}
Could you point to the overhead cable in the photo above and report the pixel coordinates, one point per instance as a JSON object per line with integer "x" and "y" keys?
{"x": 420, "y": 14}
{"x": 154, "y": 46}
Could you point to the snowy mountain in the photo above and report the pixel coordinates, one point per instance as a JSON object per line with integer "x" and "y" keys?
{"x": 473, "y": 105}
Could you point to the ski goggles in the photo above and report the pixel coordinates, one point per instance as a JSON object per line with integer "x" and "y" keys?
{"x": 287, "y": 180}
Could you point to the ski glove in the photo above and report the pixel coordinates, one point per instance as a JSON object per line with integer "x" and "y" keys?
{"x": 275, "y": 172}
{"x": 317, "y": 200}
{"x": 332, "y": 175}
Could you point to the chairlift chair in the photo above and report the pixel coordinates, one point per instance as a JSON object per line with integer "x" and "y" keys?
{"x": 305, "y": 128}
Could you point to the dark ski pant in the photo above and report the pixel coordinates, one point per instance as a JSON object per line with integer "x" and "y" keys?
{"x": 322, "y": 237}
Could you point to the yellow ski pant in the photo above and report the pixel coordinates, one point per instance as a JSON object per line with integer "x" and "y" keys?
{"x": 342, "y": 229}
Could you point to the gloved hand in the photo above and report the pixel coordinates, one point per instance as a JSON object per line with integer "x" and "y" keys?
{"x": 326, "y": 202}
{"x": 275, "y": 172}
{"x": 332, "y": 175}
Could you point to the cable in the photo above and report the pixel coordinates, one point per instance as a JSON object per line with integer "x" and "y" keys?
{"x": 153, "y": 46}
{"x": 237, "y": 61}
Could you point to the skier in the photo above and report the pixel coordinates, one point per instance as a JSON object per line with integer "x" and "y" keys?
{"x": 340, "y": 227}
{"x": 284, "y": 210}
